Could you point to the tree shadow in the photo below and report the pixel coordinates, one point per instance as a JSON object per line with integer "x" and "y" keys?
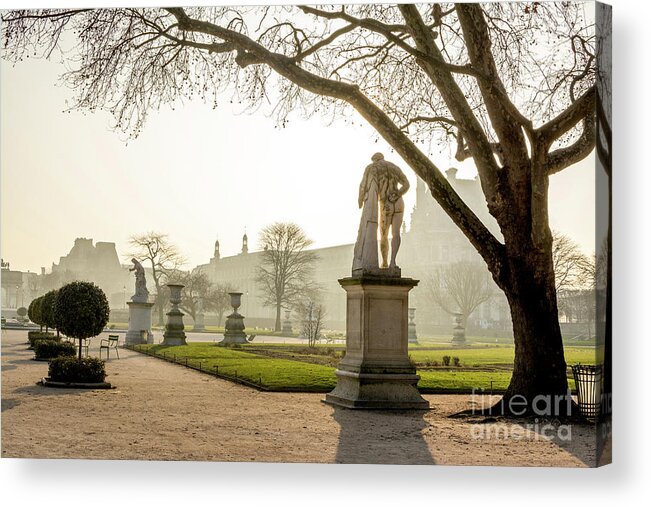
{"x": 576, "y": 438}
{"x": 382, "y": 437}
{"x": 9, "y": 403}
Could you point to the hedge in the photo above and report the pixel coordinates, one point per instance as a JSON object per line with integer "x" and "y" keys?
{"x": 49, "y": 349}
{"x": 73, "y": 369}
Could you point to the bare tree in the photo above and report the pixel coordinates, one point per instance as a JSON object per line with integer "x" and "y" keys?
{"x": 460, "y": 287}
{"x": 572, "y": 268}
{"x": 163, "y": 258}
{"x": 511, "y": 85}
{"x": 312, "y": 312}
{"x": 286, "y": 270}
{"x": 196, "y": 290}
{"x": 218, "y": 300}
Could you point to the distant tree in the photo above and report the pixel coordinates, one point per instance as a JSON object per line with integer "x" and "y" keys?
{"x": 196, "y": 287}
{"x": 162, "y": 256}
{"x": 311, "y": 312}
{"x": 460, "y": 287}
{"x": 575, "y": 276}
{"x": 81, "y": 311}
{"x": 571, "y": 265}
{"x": 286, "y": 270}
{"x": 218, "y": 300}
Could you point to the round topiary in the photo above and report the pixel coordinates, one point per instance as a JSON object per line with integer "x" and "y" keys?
{"x": 22, "y": 311}
{"x": 81, "y": 310}
{"x": 47, "y": 310}
{"x": 34, "y": 312}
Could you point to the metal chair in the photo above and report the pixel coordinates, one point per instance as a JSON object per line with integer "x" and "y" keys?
{"x": 111, "y": 343}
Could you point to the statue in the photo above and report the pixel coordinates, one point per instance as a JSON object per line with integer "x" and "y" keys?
{"x": 142, "y": 294}
{"x": 383, "y": 183}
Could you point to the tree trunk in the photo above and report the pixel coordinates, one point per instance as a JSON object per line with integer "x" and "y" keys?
{"x": 539, "y": 368}
{"x": 278, "y": 309}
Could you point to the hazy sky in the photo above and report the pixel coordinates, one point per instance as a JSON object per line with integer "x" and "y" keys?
{"x": 194, "y": 173}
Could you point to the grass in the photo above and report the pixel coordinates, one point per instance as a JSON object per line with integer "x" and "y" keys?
{"x": 278, "y": 367}
{"x": 492, "y": 355}
{"x": 267, "y": 372}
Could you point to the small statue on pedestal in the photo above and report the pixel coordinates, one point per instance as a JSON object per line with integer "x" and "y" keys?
{"x": 142, "y": 294}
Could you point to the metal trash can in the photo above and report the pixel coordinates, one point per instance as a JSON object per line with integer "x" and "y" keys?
{"x": 588, "y": 379}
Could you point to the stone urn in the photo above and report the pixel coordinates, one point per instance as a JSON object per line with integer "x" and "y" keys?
{"x": 412, "y": 337}
{"x": 234, "y": 327}
{"x": 174, "y": 328}
{"x": 459, "y": 332}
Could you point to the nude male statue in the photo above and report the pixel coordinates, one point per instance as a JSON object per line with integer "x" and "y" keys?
{"x": 385, "y": 183}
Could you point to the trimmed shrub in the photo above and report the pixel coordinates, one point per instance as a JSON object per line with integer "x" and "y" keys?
{"x": 47, "y": 310}
{"x": 49, "y": 349}
{"x": 456, "y": 361}
{"x": 446, "y": 360}
{"x": 73, "y": 369}
{"x": 34, "y": 312}
{"x": 37, "y": 336}
{"x": 81, "y": 310}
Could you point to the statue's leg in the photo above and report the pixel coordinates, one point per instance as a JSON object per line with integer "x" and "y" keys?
{"x": 396, "y": 224}
{"x": 384, "y": 236}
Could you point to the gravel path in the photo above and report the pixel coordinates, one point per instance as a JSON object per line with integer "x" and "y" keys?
{"x": 162, "y": 411}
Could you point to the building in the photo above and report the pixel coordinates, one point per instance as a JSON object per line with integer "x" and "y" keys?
{"x": 18, "y": 289}
{"x": 97, "y": 263}
{"x": 431, "y": 240}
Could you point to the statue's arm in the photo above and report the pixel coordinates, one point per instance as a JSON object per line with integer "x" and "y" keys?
{"x": 404, "y": 182}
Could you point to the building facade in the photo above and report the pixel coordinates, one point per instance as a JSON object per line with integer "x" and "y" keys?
{"x": 430, "y": 241}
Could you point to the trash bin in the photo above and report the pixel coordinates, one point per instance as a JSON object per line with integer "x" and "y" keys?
{"x": 588, "y": 379}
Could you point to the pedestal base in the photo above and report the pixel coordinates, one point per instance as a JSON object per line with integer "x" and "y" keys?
{"x": 392, "y": 391}
{"x": 233, "y": 339}
{"x": 139, "y": 322}
{"x": 376, "y": 372}
{"x": 174, "y": 329}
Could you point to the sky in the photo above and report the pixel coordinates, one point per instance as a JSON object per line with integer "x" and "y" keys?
{"x": 195, "y": 173}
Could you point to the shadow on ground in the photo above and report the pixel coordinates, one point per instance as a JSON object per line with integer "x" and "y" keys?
{"x": 382, "y": 437}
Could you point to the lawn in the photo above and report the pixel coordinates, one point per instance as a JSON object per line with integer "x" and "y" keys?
{"x": 271, "y": 373}
{"x": 279, "y": 367}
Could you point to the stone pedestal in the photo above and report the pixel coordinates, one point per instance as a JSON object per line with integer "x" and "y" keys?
{"x": 139, "y": 321}
{"x": 234, "y": 326}
{"x": 174, "y": 329}
{"x": 413, "y": 338}
{"x": 287, "y": 324}
{"x": 459, "y": 332}
{"x": 376, "y": 372}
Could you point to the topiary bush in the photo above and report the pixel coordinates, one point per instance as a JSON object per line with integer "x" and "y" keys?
{"x": 81, "y": 310}
{"x": 49, "y": 349}
{"x": 446, "y": 360}
{"x": 48, "y": 317}
{"x": 36, "y": 336}
{"x": 21, "y": 312}
{"x": 81, "y": 370}
{"x": 34, "y": 312}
